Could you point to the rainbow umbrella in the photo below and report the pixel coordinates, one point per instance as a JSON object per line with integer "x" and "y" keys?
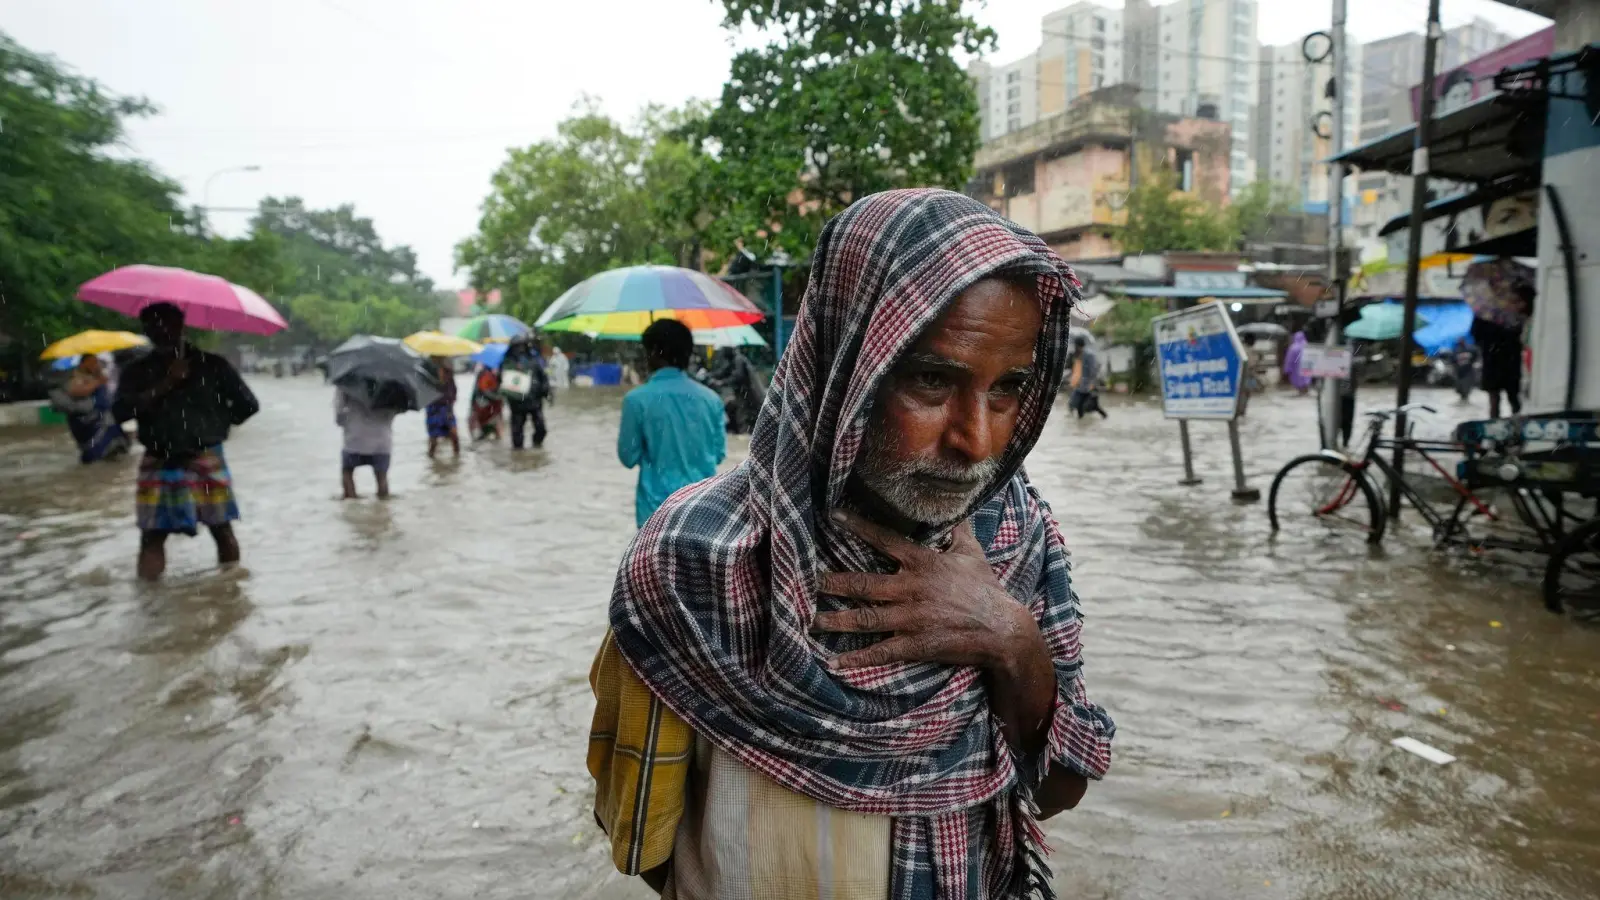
{"x": 735, "y": 336}
{"x": 492, "y": 328}
{"x": 622, "y": 303}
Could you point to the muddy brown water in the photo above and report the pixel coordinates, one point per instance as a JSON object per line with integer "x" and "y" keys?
{"x": 389, "y": 699}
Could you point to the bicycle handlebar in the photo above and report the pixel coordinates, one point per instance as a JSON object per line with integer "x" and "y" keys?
{"x": 1387, "y": 413}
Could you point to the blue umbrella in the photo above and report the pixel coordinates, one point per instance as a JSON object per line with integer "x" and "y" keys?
{"x": 492, "y": 355}
{"x": 65, "y": 363}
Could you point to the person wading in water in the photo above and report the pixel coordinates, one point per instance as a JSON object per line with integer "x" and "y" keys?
{"x": 185, "y": 400}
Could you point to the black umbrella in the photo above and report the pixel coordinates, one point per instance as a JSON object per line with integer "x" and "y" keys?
{"x": 384, "y": 372}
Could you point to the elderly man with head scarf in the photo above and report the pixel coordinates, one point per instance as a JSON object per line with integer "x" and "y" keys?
{"x": 850, "y": 667}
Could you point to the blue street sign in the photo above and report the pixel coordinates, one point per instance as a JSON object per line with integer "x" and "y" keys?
{"x": 1201, "y": 361}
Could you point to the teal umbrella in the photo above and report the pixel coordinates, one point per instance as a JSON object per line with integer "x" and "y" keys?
{"x": 1380, "y": 322}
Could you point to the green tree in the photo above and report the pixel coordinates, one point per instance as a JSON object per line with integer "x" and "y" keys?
{"x": 1161, "y": 217}
{"x": 597, "y": 196}
{"x": 342, "y": 278}
{"x": 1250, "y": 213}
{"x": 849, "y": 97}
{"x": 68, "y": 210}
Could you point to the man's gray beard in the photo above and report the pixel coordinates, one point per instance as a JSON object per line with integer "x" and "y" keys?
{"x": 894, "y": 483}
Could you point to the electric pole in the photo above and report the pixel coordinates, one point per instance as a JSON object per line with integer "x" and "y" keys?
{"x": 1419, "y": 206}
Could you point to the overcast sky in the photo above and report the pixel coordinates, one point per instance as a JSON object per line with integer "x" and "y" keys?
{"x": 405, "y": 107}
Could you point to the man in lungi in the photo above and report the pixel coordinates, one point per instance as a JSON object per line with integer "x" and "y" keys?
{"x": 850, "y": 668}
{"x": 185, "y": 400}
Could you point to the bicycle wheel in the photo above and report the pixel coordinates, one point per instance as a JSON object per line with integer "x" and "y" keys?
{"x": 1332, "y": 494}
{"x": 1572, "y": 577}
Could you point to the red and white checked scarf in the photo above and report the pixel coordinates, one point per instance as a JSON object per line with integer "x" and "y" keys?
{"x": 714, "y": 600}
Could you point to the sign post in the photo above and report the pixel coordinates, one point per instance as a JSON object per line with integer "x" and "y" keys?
{"x": 1201, "y": 362}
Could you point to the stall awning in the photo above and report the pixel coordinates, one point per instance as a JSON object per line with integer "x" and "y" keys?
{"x": 1482, "y": 142}
{"x": 1178, "y": 293}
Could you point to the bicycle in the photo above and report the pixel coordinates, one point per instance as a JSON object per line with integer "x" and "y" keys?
{"x": 1340, "y": 491}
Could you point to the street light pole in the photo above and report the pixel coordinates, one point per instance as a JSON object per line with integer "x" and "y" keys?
{"x": 205, "y": 192}
{"x": 1419, "y": 207}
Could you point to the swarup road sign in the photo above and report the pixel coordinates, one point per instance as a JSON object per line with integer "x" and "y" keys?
{"x": 1201, "y": 362}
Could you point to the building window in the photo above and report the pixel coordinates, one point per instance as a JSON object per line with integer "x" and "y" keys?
{"x": 1018, "y": 179}
{"x": 1013, "y": 109}
{"x": 1013, "y": 93}
{"x": 1099, "y": 24}
{"x": 1098, "y": 81}
{"x": 1097, "y": 43}
{"x": 1013, "y": 77}
{"x": 1013, "y": 124}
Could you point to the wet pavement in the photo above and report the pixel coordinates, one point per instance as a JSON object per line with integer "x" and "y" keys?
{"x": 390, "y": 699}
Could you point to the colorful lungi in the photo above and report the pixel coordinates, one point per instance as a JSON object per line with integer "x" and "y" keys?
{"x": 179, "y": 497}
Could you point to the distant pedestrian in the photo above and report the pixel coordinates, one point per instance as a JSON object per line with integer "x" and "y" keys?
{"x": 1085, "y": 379}
{"x": 672, "y": 426}
{"x": 560, "y": 370}
{"x": 484, "y": 419}
{"x": 441, "y": 413}
{"x": 525, "y": 386}
{"x": 368, "y": 439}
{"x": 732, "y": 372}
{"x": 1291, "y": 363}
{"x": 186, "y": 401}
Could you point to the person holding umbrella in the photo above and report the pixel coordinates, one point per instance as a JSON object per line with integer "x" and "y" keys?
{"x": 368, "y": 437}
{"x": 525, "y": 386}
{"x": 185, "y": 401}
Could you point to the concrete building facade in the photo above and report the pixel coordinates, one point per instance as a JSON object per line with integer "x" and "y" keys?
{"x": 1205, "y": 67}
{"x": 1066, "y": 177}
{"x": 1188, "y": 58}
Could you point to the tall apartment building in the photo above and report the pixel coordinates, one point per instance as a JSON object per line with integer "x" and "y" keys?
{"x": 1205, "y": 63}
{"x": 1080, "y": 50}
{"x": 1294, "y": 106}
{"x": 1192, "y": 58}
{"x": 1008, "y": 95}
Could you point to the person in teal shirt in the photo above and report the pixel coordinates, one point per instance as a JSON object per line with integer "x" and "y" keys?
{"x": 672, "y": 426}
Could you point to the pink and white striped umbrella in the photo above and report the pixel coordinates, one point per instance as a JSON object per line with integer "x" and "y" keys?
{"x": 207, "y": 301}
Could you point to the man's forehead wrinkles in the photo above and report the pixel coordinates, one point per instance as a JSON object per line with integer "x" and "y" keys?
{"x": 923, "y": 358}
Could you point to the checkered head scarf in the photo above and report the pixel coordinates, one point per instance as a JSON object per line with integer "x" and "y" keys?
{"x": 714, "y": 600}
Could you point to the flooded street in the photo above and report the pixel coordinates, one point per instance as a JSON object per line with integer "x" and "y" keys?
{"x": 389, "y": 700}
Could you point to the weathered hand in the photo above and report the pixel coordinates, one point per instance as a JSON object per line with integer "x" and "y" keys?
{"x": 941, "y": 607}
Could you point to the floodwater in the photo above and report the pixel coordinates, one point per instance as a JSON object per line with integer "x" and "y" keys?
{"x": 390, "y": 699}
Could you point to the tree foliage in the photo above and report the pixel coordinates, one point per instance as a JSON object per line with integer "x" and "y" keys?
{"x": 338, "y": 278}
{"x": 1251, "y": 212}
{"x": 596, "y": 196}
{"x": 1161, "y": 217}
{"x": 72, "y": 208}
{"x": 850, "y": 97}
{"x": 68, "y": 210}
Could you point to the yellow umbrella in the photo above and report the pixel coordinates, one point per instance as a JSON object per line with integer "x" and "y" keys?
{"x": 93, "y": 342}
{"x": 432, "y": 343}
